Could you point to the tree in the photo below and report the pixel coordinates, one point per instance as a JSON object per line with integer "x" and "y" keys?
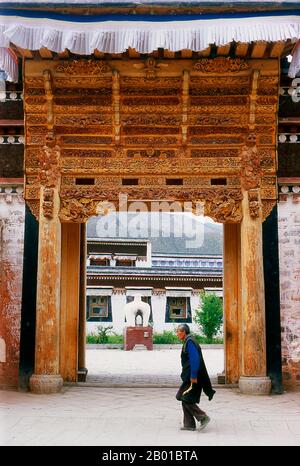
{"x": 209, "y": 315}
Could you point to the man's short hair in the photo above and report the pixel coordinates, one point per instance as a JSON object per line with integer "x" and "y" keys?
{"x": 185, "y": 328}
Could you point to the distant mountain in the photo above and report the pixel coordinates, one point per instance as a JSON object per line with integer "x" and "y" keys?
{"x": 169, "y": 233}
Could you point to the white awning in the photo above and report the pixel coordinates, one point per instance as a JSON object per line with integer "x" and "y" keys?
{"x": 125, "y": 257}
{"x": 99, "y": 291}
{"x": 138, "y": 291}
{"x": 116, "y": 33}
{"x": 178, "y": 292}
{"x": 100, "y": 256}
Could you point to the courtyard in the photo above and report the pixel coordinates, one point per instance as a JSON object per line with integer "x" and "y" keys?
{"x": 160, "y": 367}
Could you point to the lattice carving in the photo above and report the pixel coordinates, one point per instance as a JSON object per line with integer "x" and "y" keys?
{"x": 83, "y": 67}
{"x": 77, "y": 210}
{"x": 250, "y": 163}
{"x": 49, "y": 162}
{"x": 254, "y": 203}
{"x": 223, "y": 206}
{"x": 150, "y": 67}
{"x": 84, "y": 120}
{"x": 267, "y": 207}
{"x": 34, "y": 206}
{"x": 221, "y": 65}
{"x": 48, "y": 203}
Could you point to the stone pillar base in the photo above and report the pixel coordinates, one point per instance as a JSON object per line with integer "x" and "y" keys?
{"x": 82, "y": 374}
{"x": 44, "y": 384}
{"x": 255, "y": 385}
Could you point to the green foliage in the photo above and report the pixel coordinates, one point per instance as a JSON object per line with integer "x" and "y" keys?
{"x": 202, "y": 340}
{"x": 103, "y": 333}
{"x": 209, "y": 316}
{"x": 91, "y": 339}
{"x": 116, "y": 339}
{"x": 167, "y": 337}
{"x": 113, "y": 339}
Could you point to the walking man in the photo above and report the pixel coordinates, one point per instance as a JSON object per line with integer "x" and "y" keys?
{"x": 194, "y": 378}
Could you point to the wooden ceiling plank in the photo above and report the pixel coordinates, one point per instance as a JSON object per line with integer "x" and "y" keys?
{"x": 169, "y": 54}
{"x": 64, "y": 54}
{"x": 46, "y": 53}
{"x": 98, "y": 54}
{"x": 186, "y": 53}
{"x": 205, "y": 53}
{"x": 133, "y": 53}
{"x": 25, "y": 53}
{"x": 223, "y": 50}
{"x": 241, "y": 49}
{"x": 259, "y": 49}
{"x": 277, "y": 49}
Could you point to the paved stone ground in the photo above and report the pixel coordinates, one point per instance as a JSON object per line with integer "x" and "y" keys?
{"x": 145, "y": 416}
{"x": 144, "y": 368}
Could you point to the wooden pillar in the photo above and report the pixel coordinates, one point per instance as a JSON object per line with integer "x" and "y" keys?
{"x": 46, "y": 377}
{"x": 253, "y": 378}
{"x": 69, "y": 320}
{"x": 82, "y": 370}
{"x": 231, "y": 286}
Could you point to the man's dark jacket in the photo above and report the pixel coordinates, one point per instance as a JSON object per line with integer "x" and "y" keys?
{"x": 203, "y": 380}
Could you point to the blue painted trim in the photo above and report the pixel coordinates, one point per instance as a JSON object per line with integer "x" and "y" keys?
{"x": 139, "y": 18}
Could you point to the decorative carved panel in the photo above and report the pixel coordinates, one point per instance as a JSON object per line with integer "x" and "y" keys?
{"x": 149, "y": 120}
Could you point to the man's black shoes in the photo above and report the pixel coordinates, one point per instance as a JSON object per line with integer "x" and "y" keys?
{"x": 211, "y": 395}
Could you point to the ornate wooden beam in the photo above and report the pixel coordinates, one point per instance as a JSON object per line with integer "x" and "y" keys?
{"x": 185, "y": 105}
{"x": 252, "y": 97}
{"x": 49, "y": 98}
{"x": 116, "y": 104}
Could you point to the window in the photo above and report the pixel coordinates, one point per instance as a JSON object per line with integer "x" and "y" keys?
{"x": 178, "y": 309}
{"x": 125, "y": 263}
{"x": 99, "y": 309}
{"x": 100, "y": 262}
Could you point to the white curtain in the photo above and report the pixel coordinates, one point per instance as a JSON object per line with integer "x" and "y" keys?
{"x": 144, "y": 36}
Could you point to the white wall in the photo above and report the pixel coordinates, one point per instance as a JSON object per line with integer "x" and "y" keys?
{"x": 158, "y": 311}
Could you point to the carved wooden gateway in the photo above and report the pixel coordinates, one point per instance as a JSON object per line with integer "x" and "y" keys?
{"x": 182, "y": 130}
